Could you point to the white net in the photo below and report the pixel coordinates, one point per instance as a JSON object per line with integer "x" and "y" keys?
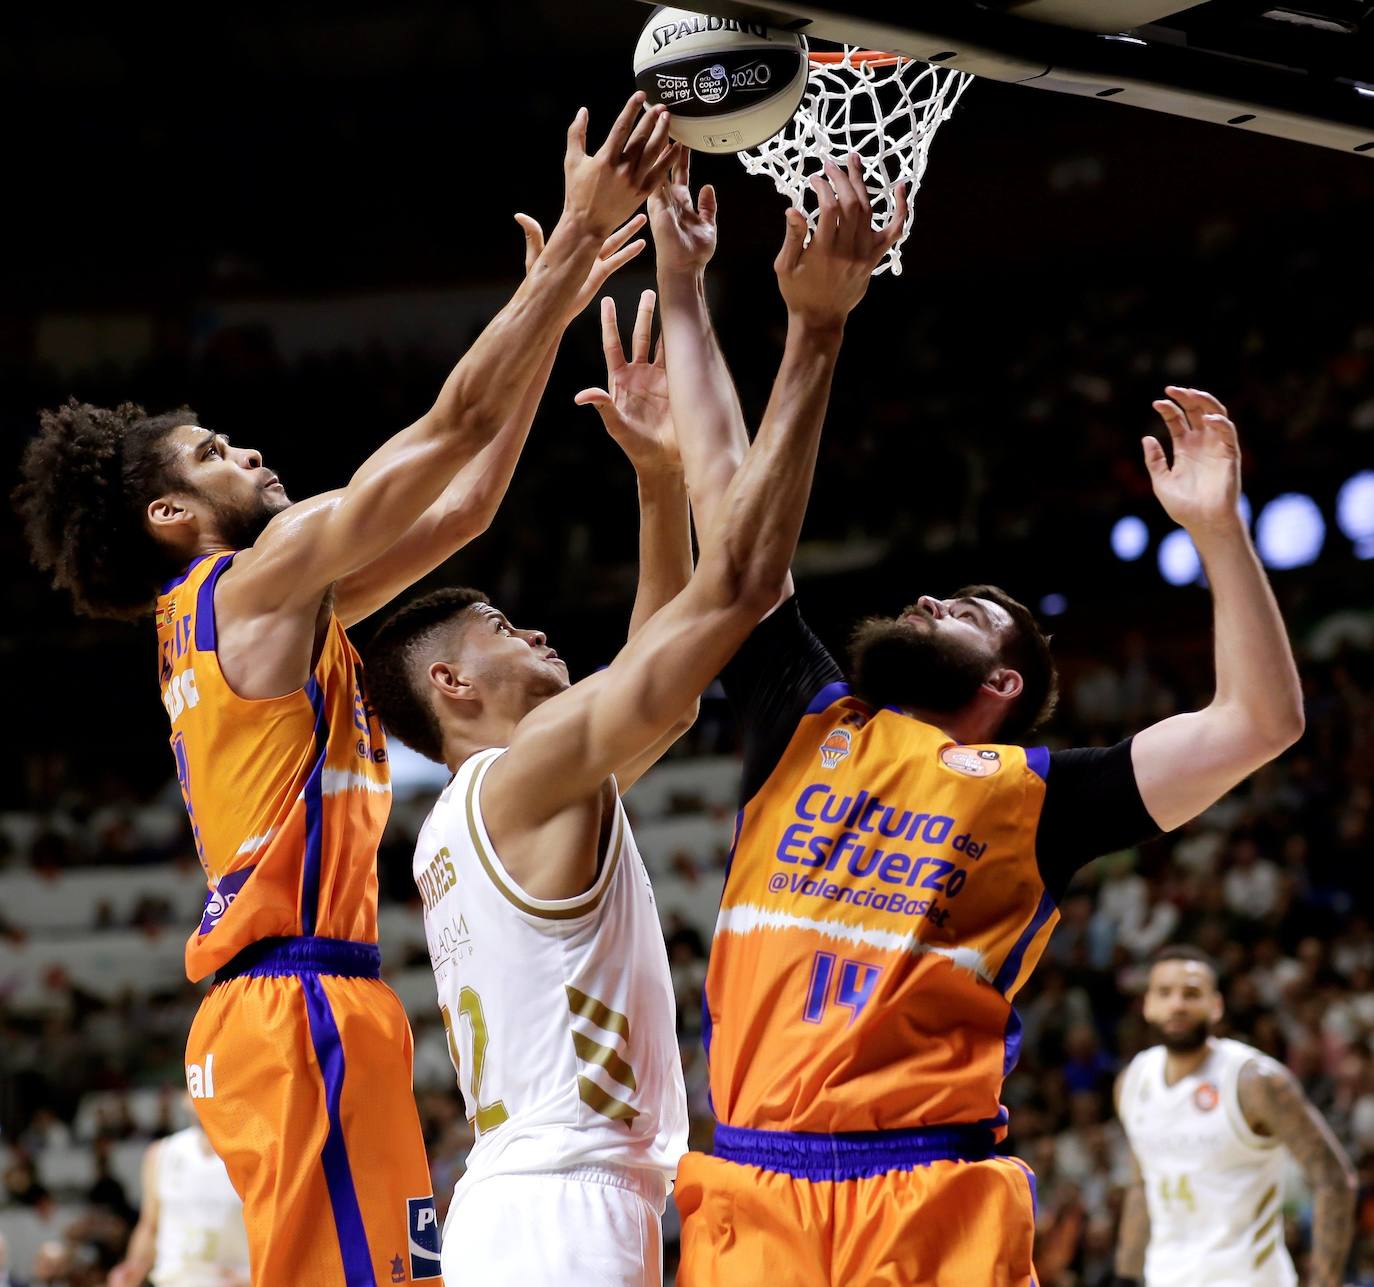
{"x": 885, "y": 110}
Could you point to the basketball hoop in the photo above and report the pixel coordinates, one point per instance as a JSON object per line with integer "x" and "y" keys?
{"x": 885, "y": 107}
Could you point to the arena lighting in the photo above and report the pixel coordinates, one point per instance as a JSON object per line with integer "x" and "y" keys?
{"x": 1355, "y": 508}
{"x": 1290, "y": 531}
{"x": 1179, "y": 563}
{"x": 1053, "y": 605}
{"x": 1130, "y": 537}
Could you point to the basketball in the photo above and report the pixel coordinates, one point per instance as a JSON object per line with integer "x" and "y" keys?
{"x": 729, "y": 84}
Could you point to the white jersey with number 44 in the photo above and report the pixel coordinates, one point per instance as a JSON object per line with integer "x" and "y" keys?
{"x": 559, "y": 1014}
{"x": 1214, "y": 1188}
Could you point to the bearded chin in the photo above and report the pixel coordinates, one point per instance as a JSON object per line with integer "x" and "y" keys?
{"x": 1184, "y": 1043}
{"x": 242, "y": 528}
{"x": 897, "y": 663}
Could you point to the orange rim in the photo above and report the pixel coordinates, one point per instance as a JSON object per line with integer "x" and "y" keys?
{"x": 863, "y": 57}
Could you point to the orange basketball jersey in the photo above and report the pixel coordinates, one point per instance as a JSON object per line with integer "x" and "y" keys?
{"x": 287, "y": 796}
{"x": 882, "y": 907}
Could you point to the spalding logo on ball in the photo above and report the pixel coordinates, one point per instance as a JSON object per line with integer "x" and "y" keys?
{"x": 728, "y": 84}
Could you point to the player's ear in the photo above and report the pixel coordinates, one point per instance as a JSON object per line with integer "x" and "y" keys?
{"x": 450, "y": 682}
{"x": 1004, "y": 683}
{"x": 167, "y": 513}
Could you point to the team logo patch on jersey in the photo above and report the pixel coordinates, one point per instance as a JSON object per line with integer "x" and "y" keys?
{"x": 971, "y": 762}
{"x": 835, "y": 747}
{"x": 225, "y": 891}
{"x": 1206, "y": 1097}
{"x": 424, "y": 1237}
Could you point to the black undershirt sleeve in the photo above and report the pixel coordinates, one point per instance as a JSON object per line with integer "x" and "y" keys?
{"x": 770, "y": 682}
{"x": 1092, "y": 807}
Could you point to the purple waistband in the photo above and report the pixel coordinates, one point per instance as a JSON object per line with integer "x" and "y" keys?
{"x": 855, "y": 1155}
{"x": 274, "y": 957}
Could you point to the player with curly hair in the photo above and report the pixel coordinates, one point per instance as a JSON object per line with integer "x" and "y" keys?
{"x": 299, "y": 1060}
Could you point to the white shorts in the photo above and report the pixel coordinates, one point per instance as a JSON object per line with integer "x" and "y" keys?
{"x": 591, "y": 1226}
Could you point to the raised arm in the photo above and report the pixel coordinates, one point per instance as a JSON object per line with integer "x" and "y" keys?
{"x": 563, "y": 752}
{"x": 706, "y": 405}
{"x": 1186, "y": 763}
{"x": 468, "y": 504}
{"x": 1134, "y": 1233}
{"x": 634, "y": 408}
{"x": 1274, "y": 1105}
{"x": 313, "y": 544}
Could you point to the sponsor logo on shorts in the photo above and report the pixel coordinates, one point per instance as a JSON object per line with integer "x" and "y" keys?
{"x": 423, "y": 1221}
{"x": 970, "y": 761}
{"x": 835, "y": 747}
{"x": 200, "y": 1078}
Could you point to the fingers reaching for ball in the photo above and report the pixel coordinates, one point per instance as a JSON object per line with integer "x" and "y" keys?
{"x": 822, "y": 281}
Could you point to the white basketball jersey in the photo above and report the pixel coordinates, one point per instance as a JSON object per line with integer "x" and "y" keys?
{"x": 560, "y": 1014}
{"x": 1213, "y": 1187}
{"x": 200, "y": 1232}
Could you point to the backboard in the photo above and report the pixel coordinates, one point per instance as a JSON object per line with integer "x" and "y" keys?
{"x": 1295, "y": 69}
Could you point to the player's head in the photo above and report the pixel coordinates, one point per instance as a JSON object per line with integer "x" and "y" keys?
{"x": 115, "y": 501}
{"x": 943, "y": 656}
{"x": 1183, "y": 1000}
{"x": 449, "y": 662}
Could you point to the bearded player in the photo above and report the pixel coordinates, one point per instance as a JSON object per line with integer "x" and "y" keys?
{"x": 299, "y": 1059}
{"x": 898, "y": 859}
{"x": 1208, "y": 1120}
{"x": 549, "y": 958}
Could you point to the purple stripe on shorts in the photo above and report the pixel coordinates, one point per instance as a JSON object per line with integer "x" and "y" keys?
{"x": 343, "y": 1195}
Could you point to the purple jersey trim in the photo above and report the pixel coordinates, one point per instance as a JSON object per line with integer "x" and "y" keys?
{"x": 1038, "y": 757}
{"x": 828, "y": 696}
{"x": 205, "y": 606}
{"x": 169, "y": 586}
{"x": 1011, "y": 967}
{"x": 314, "y": 814}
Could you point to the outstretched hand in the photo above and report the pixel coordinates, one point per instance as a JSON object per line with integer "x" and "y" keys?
{"x": 684, "y": 233}
{"x": 634, "y": 405}
{"x": 616, "y": 251}
{"x": 602, "y": 189}
{"x": 822, "y": 281}
{"x": 1201, "y": 489}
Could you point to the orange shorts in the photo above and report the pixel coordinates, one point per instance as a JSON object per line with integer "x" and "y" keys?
{"x": 299, "y": 1066}
{"x": 942, "y": 1224}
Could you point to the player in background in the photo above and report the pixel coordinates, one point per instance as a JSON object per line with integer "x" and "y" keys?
{"x": 898, "y": 859}
{"x": 190, "y": 1225}
{"x": 299, "y": 1059}
{"x": 552, "y": 974}
{"x": 1208, "y": 1120}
